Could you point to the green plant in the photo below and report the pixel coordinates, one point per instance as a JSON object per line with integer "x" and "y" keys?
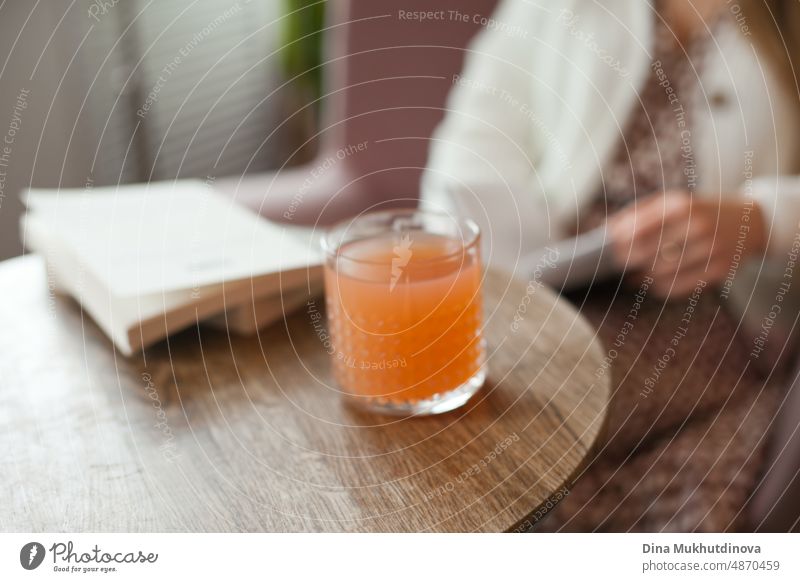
{"x": 302, "y": 44}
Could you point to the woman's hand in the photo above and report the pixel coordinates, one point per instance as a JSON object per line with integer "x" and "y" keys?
{"x": 679, "y": 241}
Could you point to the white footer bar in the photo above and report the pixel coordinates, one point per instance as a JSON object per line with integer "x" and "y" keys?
{"x": 406, "y": 557}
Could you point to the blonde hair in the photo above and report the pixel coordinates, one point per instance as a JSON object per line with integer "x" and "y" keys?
{"x": 775, "y": 28}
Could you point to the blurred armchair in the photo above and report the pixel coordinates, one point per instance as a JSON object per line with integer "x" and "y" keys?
{"x": 387, "y": 73}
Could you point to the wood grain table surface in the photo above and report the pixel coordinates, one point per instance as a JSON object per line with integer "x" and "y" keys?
{"x": 208, "y": 432}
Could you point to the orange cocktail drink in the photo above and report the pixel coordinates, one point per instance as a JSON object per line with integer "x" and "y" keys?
{"x": 403, "y": 294}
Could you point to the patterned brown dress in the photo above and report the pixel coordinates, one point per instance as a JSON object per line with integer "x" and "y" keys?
{"x": 689, "y": 413}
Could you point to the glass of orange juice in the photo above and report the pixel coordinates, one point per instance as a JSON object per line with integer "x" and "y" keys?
{"x": 403, "y": 296}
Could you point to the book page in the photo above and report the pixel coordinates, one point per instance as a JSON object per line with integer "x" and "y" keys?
{"x": 161, "y": 237}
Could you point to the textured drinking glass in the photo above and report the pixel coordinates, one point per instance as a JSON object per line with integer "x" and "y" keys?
{"x": 403, "y": 295}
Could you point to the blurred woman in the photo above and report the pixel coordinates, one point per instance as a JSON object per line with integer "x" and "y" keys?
{"x": 673, "y": 125}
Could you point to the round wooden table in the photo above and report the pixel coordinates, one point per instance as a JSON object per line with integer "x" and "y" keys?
{"x": 210, "y": 432}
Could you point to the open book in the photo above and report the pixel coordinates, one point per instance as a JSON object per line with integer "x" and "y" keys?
{"x": 148, "y": 260}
